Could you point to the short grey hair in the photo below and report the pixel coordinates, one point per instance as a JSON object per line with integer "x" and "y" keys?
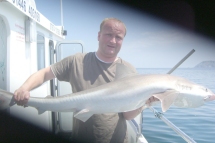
{"x": 114, "y": 19}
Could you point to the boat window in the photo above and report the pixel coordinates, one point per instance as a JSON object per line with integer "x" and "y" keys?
{"x": 68, "y": 49}
{"x": 40, "y": 52}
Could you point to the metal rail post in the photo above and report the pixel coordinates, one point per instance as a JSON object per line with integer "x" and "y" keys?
{"x": 172, "y": 126}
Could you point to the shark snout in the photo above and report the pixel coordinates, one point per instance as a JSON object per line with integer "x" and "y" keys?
{"x": 210, "y": 97}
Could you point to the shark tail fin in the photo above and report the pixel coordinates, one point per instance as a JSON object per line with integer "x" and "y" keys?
{"x": 6, "y": 99}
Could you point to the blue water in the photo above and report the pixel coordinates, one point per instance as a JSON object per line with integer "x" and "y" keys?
{"x": 198, "y": 123}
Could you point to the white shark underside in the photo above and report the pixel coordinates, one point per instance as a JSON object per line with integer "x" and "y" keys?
{"x": 128, "y": 92}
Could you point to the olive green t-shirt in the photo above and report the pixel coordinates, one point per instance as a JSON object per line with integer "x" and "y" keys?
{"x": 85, "y": 71}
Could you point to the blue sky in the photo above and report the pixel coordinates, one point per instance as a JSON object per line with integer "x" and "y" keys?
{"x": 149, "y": 43}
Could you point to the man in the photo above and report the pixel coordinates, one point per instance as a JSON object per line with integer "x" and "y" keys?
{"x": 85, "y": 71}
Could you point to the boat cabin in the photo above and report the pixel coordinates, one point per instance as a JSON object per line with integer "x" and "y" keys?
{"x": 28, "y": 43}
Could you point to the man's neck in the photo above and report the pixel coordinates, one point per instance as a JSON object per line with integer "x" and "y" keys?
{"x": 105, "y": 59}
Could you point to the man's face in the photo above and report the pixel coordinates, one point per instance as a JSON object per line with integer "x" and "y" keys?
{"x": 110, "y": 38}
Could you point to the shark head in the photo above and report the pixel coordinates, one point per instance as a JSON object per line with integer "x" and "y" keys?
{"x": 210, "y": 96}
{"x": 186, "y": 94}
{"x": 194, "y": 96}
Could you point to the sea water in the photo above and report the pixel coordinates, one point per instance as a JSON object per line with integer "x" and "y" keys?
{"x": 198, "y": 123}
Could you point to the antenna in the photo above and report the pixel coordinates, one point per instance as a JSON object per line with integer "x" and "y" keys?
{"x": 64, "y": 32}
{"x": 61, "y": 12}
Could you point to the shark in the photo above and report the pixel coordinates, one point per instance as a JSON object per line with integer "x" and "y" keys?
{"x": 129, "y": 91}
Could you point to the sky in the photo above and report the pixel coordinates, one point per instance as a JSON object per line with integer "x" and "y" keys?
{"x": 149, "y": 43}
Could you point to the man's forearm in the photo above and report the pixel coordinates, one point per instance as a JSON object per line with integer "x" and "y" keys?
{"x": 22, "y": 94}
{"x": 132, "y": 114}
{"x": 34, "y": 80}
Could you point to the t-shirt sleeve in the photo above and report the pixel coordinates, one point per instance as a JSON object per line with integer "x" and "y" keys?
{"x": 62, "y": 69}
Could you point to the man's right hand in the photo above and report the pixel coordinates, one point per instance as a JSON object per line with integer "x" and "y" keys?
{"x": 21, "y": 96}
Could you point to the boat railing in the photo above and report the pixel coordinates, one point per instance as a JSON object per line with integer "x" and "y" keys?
{"x": 136, "y": 127}
{"x": 172, "y": 126}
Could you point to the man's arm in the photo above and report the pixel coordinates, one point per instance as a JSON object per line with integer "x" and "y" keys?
{"x": 22, "y": 94}
{"x": 132, "y": 114}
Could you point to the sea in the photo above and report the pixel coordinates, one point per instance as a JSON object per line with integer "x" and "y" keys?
{"x": 198, "y": 123}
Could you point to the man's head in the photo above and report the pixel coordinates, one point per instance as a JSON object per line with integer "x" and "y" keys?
{"x": 112, "y": 19}
{"x": 110, "y": 37}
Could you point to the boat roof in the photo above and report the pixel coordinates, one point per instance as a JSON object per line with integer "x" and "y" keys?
{"x": 28, "y": 7}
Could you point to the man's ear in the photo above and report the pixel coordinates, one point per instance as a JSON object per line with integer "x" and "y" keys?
{"x": 99, "y": 35}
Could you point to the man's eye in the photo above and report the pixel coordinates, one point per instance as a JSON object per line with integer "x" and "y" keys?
{"x": 119, "y": 38}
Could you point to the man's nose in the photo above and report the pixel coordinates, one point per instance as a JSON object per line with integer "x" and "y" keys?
{"x": 113, "y": 40}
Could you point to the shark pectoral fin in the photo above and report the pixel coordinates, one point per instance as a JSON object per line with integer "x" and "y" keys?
{"x": 166, "y": 98}
{"x": 40, "y": 111}
{"x": 83, "y": 115}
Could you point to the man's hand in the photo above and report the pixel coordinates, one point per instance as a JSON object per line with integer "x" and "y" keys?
{"x": 132, "y": 114}
{"x": 151, "y": 100}
{"x": 21, "y": 96}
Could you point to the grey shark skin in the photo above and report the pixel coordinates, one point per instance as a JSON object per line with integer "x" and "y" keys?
{"x": 128, "y": 92}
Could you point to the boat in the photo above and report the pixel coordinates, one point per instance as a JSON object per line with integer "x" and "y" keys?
{"x": 30, "y": 42}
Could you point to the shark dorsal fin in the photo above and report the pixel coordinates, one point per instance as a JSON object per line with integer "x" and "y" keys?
{"x": 123, "y": 71}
